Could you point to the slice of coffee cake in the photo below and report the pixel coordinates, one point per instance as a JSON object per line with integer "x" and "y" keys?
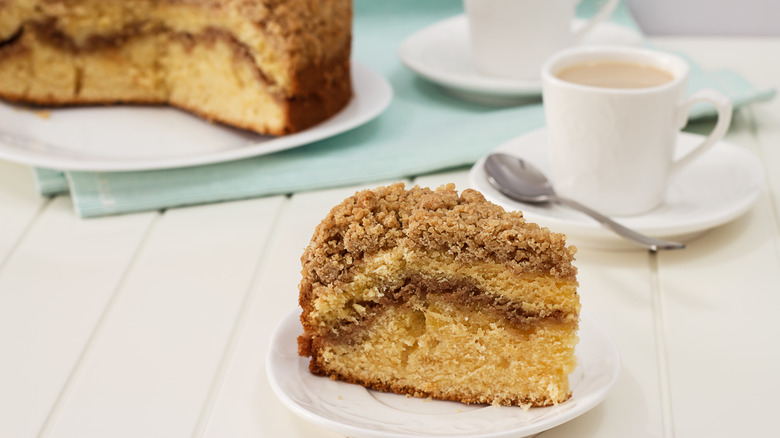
{"x": 435, "y": 294}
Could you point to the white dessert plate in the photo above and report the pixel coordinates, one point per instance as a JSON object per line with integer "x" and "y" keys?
{"x": 125, "y": 137}
{"x": 358, "y": 412}
{"x": 716, "y": 188}
{"x": 441, "y": 53}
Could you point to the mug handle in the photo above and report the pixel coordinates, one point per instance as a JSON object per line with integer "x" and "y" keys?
{"x": 724, "y": 107}
{"x": 604, "y": 13}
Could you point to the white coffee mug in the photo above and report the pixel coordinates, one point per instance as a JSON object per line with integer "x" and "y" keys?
{"x": 513, "y": 38}
{"x": 613, "y": 149}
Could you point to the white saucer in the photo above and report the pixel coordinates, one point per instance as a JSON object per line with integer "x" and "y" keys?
{"x": 715, "y": 189}
{"x": 441, "y": 53}
{"x": 124, "y": 137}
{"x": 358, "y": 412}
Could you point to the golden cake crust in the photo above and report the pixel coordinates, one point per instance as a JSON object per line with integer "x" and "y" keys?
{"x": 418, "y": 392}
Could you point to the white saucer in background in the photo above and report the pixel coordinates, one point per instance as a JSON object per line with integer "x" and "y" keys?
{"x": 138, "y": 137}
{"x": 716, "y": 188}
{"x": 357, "y": 412}
{"x": 441, "y": 53}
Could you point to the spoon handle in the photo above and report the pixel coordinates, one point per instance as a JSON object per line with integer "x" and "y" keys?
{"x": 648, "y": 242}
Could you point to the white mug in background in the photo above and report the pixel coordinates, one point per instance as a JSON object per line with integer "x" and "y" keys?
{"x": 613, "y": 149}
{"x": 513, "y": 38}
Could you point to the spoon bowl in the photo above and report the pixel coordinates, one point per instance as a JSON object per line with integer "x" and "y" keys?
{"x": 519, "y": 180}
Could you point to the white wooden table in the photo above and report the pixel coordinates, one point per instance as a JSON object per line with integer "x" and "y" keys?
{"x": 157, "y": 324}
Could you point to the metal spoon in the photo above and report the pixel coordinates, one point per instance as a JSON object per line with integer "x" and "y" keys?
{"x": 521, "y": 181}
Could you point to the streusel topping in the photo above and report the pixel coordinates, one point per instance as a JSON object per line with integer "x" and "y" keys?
{"x": 466, "y": 226}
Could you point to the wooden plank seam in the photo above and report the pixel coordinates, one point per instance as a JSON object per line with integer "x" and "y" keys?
{"x": 667, "y": 417}
{"x": 78, "y": 367}
{"x": 240, "y": 324}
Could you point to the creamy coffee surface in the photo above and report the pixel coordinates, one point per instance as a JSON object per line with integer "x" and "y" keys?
{"x": 615, "y": 74}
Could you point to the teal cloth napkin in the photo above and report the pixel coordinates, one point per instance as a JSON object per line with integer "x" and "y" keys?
{"x": 424, "y": 130}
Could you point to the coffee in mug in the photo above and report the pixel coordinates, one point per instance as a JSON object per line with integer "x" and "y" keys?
{"x": 615, "y": 74}
{"x": 613, "y": 115}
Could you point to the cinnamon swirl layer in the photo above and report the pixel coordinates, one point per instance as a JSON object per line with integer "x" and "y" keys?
{"x": 416, "y": 291}
{"x": 394, "y": 277}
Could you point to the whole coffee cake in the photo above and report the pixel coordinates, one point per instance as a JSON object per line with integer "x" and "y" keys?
{"x": 271, "y": 66}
